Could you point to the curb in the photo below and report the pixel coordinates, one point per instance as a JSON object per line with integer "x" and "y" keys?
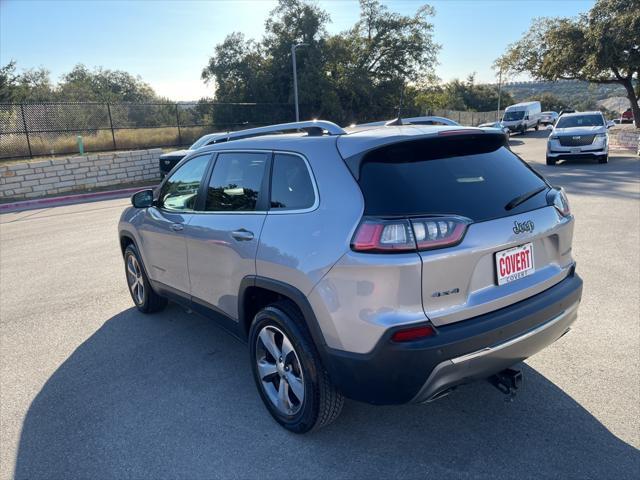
{"x": 67, "y": 199}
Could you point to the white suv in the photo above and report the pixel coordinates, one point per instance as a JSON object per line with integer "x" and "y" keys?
{"x": 580, "y": 135}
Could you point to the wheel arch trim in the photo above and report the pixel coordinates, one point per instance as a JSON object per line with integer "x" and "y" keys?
{"x": 290, "y": 292}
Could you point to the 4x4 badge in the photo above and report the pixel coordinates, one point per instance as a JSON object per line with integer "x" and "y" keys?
{"x": 522, "y": 227}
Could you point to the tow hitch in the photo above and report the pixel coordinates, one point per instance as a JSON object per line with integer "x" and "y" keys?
{"x": 507, "y": 381}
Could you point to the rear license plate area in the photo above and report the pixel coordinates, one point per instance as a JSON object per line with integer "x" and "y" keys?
{"x": 514, "y": 263}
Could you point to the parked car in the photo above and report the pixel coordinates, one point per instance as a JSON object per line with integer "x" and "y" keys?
{"x": 498, "y": 125}
{"x": 389, "y": 265}
{"x": 548, "y": 118}
{"x": 627, "y": 116}
{"x": 579, "y": 135}
{"x": 522, "y": 116}
{"x": 171, "y": 159}
{"x": 427, "y": 120}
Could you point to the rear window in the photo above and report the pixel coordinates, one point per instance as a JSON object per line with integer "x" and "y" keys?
{"x": 469, "y": 177}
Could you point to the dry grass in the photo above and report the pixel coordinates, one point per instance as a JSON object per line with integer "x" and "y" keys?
{"x": 52, "y": 144}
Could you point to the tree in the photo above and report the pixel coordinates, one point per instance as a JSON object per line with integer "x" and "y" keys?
{"x": 601, "y": 46}
{"x": 102, "y": 85}
{"x": 463, "y": 95}
{"x": 355, "y": 75}
{"x": 32, "y": 85}
{"x": 8, "y": 82}
{"x": 550, "y": 102}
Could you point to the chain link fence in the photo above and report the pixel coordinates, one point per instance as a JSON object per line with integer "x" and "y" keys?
{"x": 35, "y": 129}
{"x": 472, "y": 119}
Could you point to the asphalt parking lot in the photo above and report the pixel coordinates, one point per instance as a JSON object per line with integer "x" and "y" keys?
{"x": 90, "y": 388}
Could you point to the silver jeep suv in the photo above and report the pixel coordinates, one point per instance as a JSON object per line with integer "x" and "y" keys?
{"x": 388, "y": 264}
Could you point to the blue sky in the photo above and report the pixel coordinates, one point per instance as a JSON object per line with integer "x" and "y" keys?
{"x": 168, "y": 43}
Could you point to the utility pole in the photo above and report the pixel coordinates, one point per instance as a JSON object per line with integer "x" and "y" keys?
{"x": 295, "y": 77}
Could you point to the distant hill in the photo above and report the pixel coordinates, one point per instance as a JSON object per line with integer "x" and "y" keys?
{"x": 615, "y": 104}
{"x": 578, "y": 94}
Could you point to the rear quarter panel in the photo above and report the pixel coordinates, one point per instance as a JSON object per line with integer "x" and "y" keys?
{"x": 300, "y": 248}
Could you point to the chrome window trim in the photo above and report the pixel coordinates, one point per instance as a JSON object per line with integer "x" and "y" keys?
{"x": 175, "y": 170}
{"x": 316, "y": 194}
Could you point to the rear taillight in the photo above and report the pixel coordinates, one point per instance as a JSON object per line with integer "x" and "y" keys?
{"x": 439, "y": 232}
{"x": 374, "y": 235}
{"x": 379, "y": 235}
{"x": 558, "y": 198}
{"x": 414, "y": 333}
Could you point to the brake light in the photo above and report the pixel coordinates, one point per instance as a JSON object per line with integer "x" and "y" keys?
{"x": 466, "y": 131}
{"x": 415, "y": 333}
{"x": 375, "y": 235}
{"x": 378, "y": 235}
{"x": 439, "y": 232}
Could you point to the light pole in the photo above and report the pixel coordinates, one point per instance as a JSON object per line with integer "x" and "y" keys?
{"x": 295, "y": 77}
{"x": 499, "y": 93}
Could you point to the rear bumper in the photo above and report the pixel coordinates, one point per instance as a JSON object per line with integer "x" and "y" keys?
{"x": 420, "y": 371}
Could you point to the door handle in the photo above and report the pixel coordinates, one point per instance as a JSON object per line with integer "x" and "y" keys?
{"x": 177, "y": 227}
{"x": 242, "y": 235}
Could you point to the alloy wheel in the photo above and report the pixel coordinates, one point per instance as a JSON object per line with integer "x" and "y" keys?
{"x": 280, "y": 370}
{"x": 135, "y": 280}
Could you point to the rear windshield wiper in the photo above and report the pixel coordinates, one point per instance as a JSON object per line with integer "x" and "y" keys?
{"x": 523, "y": 198}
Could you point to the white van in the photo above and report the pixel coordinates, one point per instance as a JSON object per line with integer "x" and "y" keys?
{"x": 522, "y": 116}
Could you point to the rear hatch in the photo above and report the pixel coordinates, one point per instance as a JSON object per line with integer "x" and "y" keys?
{"x": 480, "y": 218}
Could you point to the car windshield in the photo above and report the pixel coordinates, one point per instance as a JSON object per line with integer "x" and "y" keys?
{"x": 580, "y": 121}
{"x": 200, "y": 142}
{"x": 513, "y": 115}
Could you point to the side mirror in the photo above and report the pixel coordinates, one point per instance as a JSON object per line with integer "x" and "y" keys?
{"x": 142, "y": 199}
{"x": 610, "y": 123}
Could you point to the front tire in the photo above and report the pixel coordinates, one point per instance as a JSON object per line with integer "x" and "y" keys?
{"x": 144, "y": 297}
{"x": 603, "y": 159}
{"x": 551, "y": 161}
{"x": 292, "y": 382}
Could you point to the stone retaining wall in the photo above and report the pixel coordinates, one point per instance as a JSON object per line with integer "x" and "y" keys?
{"x": 80, "y": 173}
{"x": 624, "y": 138}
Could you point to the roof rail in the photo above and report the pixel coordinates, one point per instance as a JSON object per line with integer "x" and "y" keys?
{"x": 313, "y": 127}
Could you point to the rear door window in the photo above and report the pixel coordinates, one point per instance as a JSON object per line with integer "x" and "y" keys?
{"x": 476, "y": 181}
{"x": 236, "y": 182}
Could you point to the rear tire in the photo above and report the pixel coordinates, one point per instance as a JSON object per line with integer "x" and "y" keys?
{"x": 551, "y": 161}
{"x": 603, "y": 159}
{"x": 144, "y": 297}
{"x": 537, "y": 126}
{"x": 278, "y": 330}
{"x": 523, "y": 130}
